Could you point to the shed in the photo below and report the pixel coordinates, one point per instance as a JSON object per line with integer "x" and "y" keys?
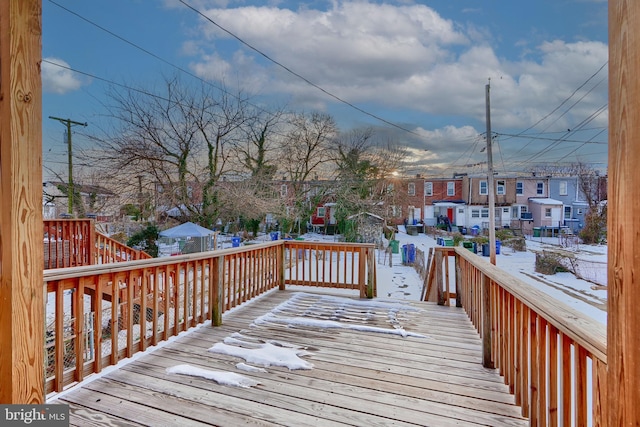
{"x": 185, "y": 238}
{"x": 546, "y": 212}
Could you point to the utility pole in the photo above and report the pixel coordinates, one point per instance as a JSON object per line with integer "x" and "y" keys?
{"x": 491, "y": 192}
{"x": 70, "y": 189}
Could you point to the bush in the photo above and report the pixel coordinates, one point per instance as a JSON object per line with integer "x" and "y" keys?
{"x": 145, "y": 239}
{"x": 457, "y": 238}
{"x": 549, "y": 263}
{"x": 518, "y": 244}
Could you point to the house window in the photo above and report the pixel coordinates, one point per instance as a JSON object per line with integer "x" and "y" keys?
{"x": 519, "y": 188}
{"x": 501, "y": 188}
{"x": 411, "y": 189}
{"x": 321, "y": 211}
{"x": 540, "y": 188}
{"x": 475, "y": 213}
{"x": 283, "y": 190}
{"x": 451, "y": 188}
{"x": 563, "y": 188}
{"x": 567, "y": 212}
{"x": 484, "y": 213}
{"x": 394, "y": 211}
{"x": 547, "y": 212}
{"x": 505, "y": 210}
{"x": 484, "y": 188}
{"x": 460, "y": 211}
{"x": 428, "y": 188}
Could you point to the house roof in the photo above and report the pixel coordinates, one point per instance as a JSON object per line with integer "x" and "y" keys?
{"x": 545, "y": 201}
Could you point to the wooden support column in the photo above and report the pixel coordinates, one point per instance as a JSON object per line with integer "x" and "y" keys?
{"x": 21, "y": 244}
{"x": 623, "y": 223}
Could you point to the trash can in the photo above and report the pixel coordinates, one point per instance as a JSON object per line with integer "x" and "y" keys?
{"x": 235, "y": 242}
{"x": 498, "y": 246}
{"x": 486, "y": 249}
{"x": 468, "y": 245}
{"x": 411, "y": 253}
{"x": 475, "y": 230}
{"x": 536, "y": 231}
{"x": 395, "y": 246}
{"x": 404, "y": 254}
{"x": 274, "y": 235}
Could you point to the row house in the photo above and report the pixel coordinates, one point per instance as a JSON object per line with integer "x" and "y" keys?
{"x": 523, "y": 202}
{"x": 443, "y": 197}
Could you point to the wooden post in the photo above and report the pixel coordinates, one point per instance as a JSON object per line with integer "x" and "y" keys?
{"x": 439, "y": 277}
{"x": 282, "y": 265}
{"x": 485, "y": 288}
{"x": 21, "y": 244}
{"x": 458, "y": 281}
{"x": 371, "y": 273}
{"x": 623, "y": 221}
{"x": 216, "y": 290}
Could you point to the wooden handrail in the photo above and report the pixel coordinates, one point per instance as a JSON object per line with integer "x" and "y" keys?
{"x": 541, "y": 346}
{"x": 75, "y": 242}
{"x": 109, "y": 250}
{"x": 100, "y": 314}
{"x": 68, "y": 242}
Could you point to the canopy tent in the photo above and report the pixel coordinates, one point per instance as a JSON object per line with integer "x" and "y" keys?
{"x": 185, "y": 239}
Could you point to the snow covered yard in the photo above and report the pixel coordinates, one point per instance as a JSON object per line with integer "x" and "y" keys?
{"x": 588, "y": 296}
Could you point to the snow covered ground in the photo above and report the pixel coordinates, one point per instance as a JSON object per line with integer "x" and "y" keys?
{"x": 403, "y": 282}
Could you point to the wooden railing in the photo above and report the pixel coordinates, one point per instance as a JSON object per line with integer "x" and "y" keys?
{"x": 98, "y": 315}
{"x": 75, "y": 242}
{"x": 552, "y": 357}
{"x": 68, "y": 243}
{"x": 109, "y": 250}
{"x": 331, "y": 265}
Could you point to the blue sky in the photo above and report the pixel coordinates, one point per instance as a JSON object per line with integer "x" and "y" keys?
{"x": 422, "y": 66}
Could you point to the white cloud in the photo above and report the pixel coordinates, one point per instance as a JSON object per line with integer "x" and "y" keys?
{"x": 398, "y": 55}
{"x": 56, "y": 79}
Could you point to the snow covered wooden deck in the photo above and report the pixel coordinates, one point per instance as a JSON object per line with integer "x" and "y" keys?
{"x": 368, "y": 363}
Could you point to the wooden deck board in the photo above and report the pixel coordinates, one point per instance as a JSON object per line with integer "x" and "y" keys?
{"x": 358, "y": 378}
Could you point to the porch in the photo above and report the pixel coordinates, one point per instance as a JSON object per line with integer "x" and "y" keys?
{"x": 358, "y": 377}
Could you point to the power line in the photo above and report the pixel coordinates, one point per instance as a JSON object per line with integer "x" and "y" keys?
{"x": 290, "y": 71}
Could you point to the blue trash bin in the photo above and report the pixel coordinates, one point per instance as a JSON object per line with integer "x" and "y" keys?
{"x": 475, "y": 230}
{"x": 274, "y": 235}
{"x": 498, "y": 245}
{"x": 235, "y": 242}
{"x": 411, "y": 253}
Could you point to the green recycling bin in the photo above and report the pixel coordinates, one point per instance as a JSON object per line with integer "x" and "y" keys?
{"x": 395, "y": 246}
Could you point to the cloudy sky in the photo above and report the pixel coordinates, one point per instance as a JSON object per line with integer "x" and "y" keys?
{"x": 414, "y": 70}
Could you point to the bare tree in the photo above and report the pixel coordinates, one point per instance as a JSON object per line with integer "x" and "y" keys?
{"x": 180, "y": 138}
{"x": 258, "y": 152}
{"x": 304, "y": 152}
